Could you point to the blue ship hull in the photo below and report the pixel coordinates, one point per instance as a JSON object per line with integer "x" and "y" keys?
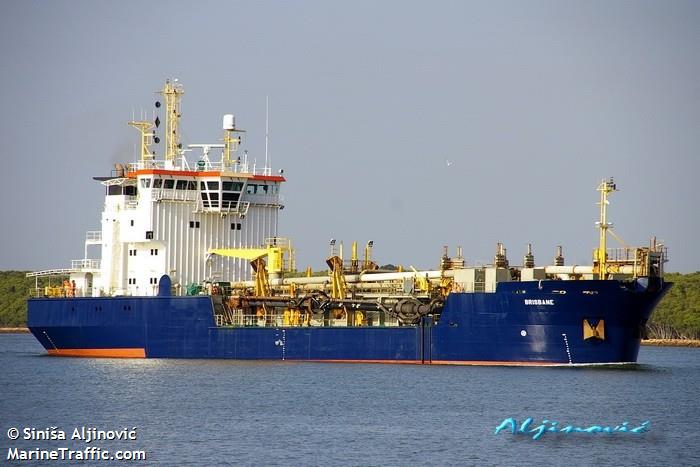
{"x": 522, "y": 323}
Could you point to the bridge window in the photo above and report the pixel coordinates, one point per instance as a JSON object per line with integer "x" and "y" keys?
{"x": 113, "y": 190}
{"x": 210, "y": 194}
{"x": 181, "y": 185}
{"x": 168, "y": 184}
{"x": 212, "y": 200}
{"x": 157, "y": 183}
{"x": 232, "y": 186}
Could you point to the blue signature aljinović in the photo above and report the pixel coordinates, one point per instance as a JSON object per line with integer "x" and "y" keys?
{"x": 549, "y": 426}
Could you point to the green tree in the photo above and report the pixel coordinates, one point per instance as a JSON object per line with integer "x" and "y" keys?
{"x": 678, "y": 314}
{"x": 14, "y": 289}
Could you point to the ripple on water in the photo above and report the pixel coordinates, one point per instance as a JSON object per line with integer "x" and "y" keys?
{"x": 195, "y": 412}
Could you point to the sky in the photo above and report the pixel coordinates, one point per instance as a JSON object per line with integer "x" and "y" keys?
{"x": 412, "y": 124}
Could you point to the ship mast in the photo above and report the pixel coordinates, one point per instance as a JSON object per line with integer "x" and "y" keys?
{"x": 172, "y": 93}
{"x": 606, "y": 187}
{"x": 147, "y": 137}
{"x": 230, "y": 143}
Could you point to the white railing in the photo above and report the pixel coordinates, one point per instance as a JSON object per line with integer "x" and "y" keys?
{"x": 51, "y": 272}
{"x": 236, "y": 167}
{"x": 240, "y": 208}
{"x": 93, "y": 236}
{"x": 171, "y": 194}
{"x": 141, "y": 165}
{"x": 264, "y": 200}
{"x": 85, "y": 264}
{"x": 201, "y": 166}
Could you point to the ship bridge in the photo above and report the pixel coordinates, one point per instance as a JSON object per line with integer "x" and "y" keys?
{"x": 161, "y": 216}
{"x": 225, "y": 192}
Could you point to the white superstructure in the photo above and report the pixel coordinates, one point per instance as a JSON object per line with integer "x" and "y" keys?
{"x": 164, "y": 216}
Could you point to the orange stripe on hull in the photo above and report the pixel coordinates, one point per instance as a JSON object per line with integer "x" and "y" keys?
{"x": 104, "y": 353}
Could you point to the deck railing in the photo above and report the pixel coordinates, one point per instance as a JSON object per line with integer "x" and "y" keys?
{"x": 85, "y": 264}
{"x": 171, "y": 194}
{"x": 201, "y": 166}
{"x": 93, "y": 236}
{"x": 59, "y": 291}
{"x": 236, "y": 318}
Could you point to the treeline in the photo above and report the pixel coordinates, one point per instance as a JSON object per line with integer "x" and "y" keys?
{"x": 676, "y": 317}
{"x": 14, "y": 289}
{"x": 678, "y": 314}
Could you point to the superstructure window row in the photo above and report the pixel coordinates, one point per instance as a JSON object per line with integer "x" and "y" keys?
{"x": 170, "y": 184}
{"x": 129, "y": 190}
{"x": 255, "y": 189}
{"x": 232, "y": 186}
{"x": 179, "y": 184}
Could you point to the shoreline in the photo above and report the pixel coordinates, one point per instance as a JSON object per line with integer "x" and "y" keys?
{"x": 14, "y": 330}
{"x": 672, "y": 342}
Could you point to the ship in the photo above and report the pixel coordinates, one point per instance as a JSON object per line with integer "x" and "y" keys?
{"x": 191, "y": 265}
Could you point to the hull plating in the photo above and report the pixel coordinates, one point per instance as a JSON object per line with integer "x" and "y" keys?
{"x": 521, "y": 323}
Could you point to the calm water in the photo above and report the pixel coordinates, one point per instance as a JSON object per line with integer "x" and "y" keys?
{"x": 191, "y": 412}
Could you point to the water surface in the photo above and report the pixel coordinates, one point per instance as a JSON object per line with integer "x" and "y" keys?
{"x": 218, "y": 412}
